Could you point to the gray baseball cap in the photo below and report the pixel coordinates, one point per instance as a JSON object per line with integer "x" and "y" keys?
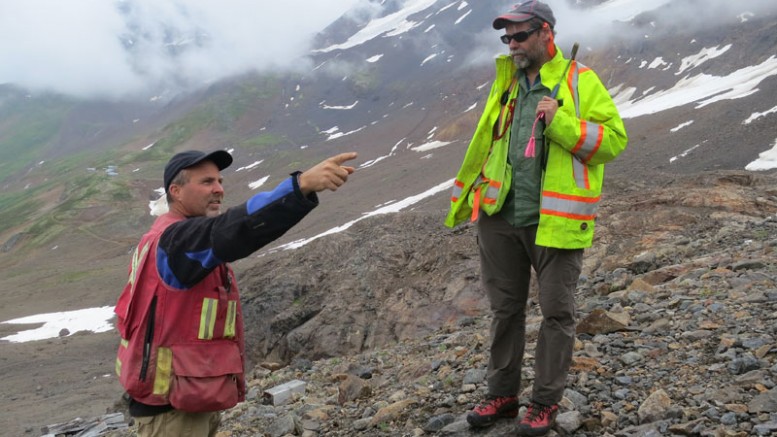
{"x": 524, "y": 12}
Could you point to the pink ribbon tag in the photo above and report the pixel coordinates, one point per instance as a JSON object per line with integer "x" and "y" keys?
{"x": 530, "y": 146}
{"x": 529, "y": 152}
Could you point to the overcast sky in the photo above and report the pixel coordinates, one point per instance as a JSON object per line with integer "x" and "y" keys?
{"x": 78, "y": 46}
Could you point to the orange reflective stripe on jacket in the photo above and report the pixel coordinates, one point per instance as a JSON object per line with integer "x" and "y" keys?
{"x": 591, "y": 135}
{"x": 565, "y": 205}
{"x": 458, "y": 188}
{"x": 488, "y": 197}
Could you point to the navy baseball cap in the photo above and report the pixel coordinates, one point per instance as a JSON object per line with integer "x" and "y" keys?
{"x": 524, "y": 12}
{"x": 189, "y": 158}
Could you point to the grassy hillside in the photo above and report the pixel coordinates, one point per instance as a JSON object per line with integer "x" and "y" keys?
{"x": 48, "y": 193}
{"x": 28, "y": 128}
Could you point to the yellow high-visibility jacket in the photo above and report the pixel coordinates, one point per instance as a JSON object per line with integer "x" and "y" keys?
{"x": 585, "y": 133}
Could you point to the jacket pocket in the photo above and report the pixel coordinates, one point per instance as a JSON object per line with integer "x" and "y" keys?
{"x": 206, "y": 376}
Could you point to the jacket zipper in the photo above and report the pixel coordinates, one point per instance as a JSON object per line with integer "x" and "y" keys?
{"x": 149, "y": 339}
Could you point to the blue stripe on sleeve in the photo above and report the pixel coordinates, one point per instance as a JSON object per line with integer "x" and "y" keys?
{"x": 163, "y": 267}
{"x": 260, "y": 200}
{"x": 206, "y": 258}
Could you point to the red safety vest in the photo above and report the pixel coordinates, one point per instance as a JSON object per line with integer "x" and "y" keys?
{"x": 180, "y": 347}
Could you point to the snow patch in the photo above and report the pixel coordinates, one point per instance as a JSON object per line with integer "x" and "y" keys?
{"x": 766, "y": 160}
{"x": 258, "y": 183}
{"x": 91, "y": 319}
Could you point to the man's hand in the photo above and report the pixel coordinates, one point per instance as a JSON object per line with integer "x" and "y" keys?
{"x": 329, "y": 174}
{"x": 548, "y": 106}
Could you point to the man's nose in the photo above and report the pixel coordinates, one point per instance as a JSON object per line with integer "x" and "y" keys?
{"x": 218, "y": 188}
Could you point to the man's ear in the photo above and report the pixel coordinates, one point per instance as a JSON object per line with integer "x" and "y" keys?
{"x": 175, "y": 191}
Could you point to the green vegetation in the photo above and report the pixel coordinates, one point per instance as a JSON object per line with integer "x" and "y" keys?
{"x": 249, "y": 94}
{"x": 70, "y": 277}
{"x": 27, "y": 129}
{"x": 761, "y": 234}
{"x": 16, "y": 208}
{"x": 53, "y": 223}
{"x": 263, "y": 141}
{"x": 184, "y": 129}
{"x": 120, "y": 193}
{"x": 219, "y": 113}
{"x": 45, "y": 229}
{"x": 76, "y": 187}
{"x": 62, "y": 188}
{"x": 365, "y": 81}
{"x": 706, "y": 292}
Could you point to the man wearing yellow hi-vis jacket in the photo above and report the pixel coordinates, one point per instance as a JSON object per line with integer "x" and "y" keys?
{"x": 532, "y": 179}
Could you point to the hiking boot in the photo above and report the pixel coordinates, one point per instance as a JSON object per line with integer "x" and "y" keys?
{"x": 493, "y": 408}
{"x": 538, "y": 419}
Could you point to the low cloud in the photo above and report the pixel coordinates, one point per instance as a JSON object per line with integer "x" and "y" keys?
{"x": 120, "y": 49}
{"x": 613, "y": 21}
{"x": 599, "y": 25}
{"x": 143, "y": 48}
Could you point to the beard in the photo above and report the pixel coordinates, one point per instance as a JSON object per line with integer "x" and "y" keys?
{"x": 530, "y": 58}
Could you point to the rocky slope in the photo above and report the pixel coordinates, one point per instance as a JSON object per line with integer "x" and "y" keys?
{"x": 675, "y": 335}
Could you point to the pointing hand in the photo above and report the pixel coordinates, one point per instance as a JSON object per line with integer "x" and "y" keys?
{"x": 329, "y": 174}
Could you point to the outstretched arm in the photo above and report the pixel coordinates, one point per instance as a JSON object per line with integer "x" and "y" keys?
{"x": 192, "y": 248}
{"x": 329, "y": 174}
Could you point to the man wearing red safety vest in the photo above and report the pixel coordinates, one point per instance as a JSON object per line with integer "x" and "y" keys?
{"x": 532, "y": 179}
{"x": 182, "y": 355}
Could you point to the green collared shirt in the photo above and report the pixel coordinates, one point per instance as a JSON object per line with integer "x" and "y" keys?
{"x": 522, "y": 206}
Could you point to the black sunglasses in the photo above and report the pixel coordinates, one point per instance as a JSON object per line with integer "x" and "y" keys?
{"x": 519, "y": 36}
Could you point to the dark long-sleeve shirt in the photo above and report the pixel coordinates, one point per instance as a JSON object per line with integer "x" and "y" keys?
{"x": 190, "y": 249}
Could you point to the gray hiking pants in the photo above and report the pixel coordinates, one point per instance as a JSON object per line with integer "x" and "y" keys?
{"x": 507, "y": 255}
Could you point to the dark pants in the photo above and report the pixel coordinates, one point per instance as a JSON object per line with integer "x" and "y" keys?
{"x": 507, "y": 255}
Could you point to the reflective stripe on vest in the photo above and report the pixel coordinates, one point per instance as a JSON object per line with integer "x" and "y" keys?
{"x": 136, "y": 257}
{"x": 164, "y": 368}
{"x": 208, "y": 318}
{"x": 229, "y": 327}
{"x": 568, "y": 206}
{"x": 123, "y": 343}
{"x": 458, "y": 188}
